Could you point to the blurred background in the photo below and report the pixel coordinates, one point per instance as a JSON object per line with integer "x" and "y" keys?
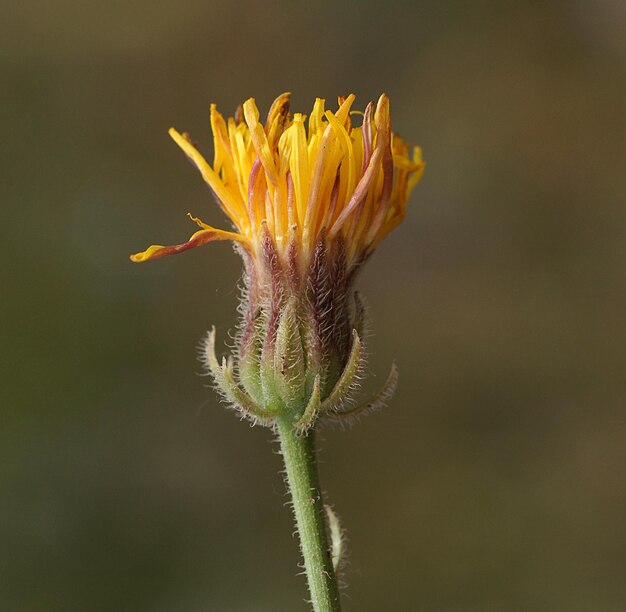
{"x": 493, "y": 482}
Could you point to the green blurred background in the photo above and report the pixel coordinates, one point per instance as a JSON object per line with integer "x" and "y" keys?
{"x": 494, "y": 481}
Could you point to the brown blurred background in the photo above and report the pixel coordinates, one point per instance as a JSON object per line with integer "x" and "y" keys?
{"x": 494, "y": 481}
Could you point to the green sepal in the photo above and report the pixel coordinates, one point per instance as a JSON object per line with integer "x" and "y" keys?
{"x": 249, "y": 367}
{"x": 348, "y": 378}
{"x": 375, "y": 402}
{"x": 223, "y": 376}
{"x": 289, "y": 363}
{"x": 311, "y": 412}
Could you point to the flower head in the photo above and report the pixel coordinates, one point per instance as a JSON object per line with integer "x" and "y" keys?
{"x": 309, "y": 199}
{"x": 296, "y": 178}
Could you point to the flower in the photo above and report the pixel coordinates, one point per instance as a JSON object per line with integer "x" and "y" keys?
{"x": 349, "y": 181}
{"x": 309, "y": 202}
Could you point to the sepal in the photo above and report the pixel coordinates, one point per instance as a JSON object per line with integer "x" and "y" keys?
{"x": 376, "y": 402}
{"x": 289, "y": 368}
{"x": 349, "y": 377}
{"x": 311, "y": 412}
{"x": 224, "y": 378}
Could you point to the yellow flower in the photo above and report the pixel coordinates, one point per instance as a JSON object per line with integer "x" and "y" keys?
{"x": 298, "y": 180}
{"x": 309, "y": 201}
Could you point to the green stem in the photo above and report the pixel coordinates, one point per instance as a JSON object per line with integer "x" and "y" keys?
{"x": 303, "y": 481}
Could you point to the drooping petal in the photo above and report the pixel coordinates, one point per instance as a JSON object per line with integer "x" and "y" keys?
{"x": 208, "y": 234}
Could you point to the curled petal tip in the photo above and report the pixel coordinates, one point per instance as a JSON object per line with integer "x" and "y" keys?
{"x": 150, "y": 253}
{"x": 209, "y": 234}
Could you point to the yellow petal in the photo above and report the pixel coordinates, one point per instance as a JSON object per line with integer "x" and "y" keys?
{"x": 259, "y": 140}
{"x": 418, "y": 169}
{"x": 225, "y": 198}
{"x": 208, "y": 234}
{"x": 383, "y": 129}
{"x": 315, "y": 120}
{"x": 276, "y": 118}
{"x": 299, "y": 165}
{"x": 346, "y": 145}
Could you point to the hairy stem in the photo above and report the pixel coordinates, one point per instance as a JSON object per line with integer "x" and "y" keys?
{"x": 303, "y": 481}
